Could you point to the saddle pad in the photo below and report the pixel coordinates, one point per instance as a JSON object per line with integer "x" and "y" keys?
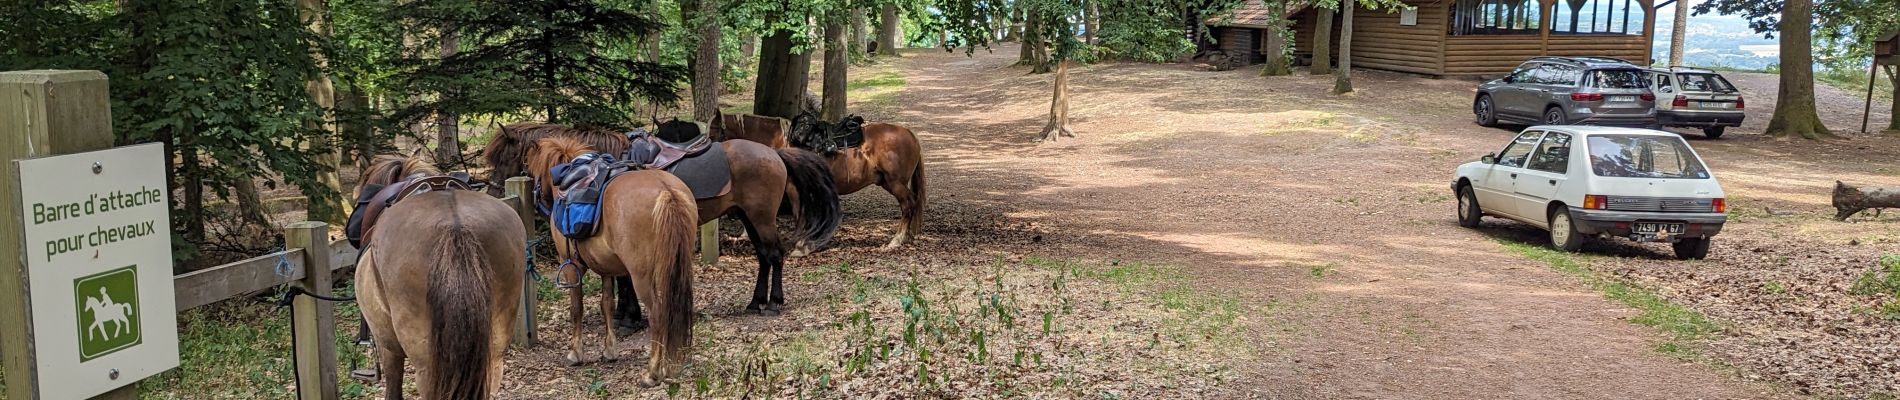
{"x": 707, "y": 174}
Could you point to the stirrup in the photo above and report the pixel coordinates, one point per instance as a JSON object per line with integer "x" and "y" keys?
{"x": 559, "y": 273}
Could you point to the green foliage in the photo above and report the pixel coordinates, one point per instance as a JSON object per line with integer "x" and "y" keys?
{"x": 1682, "y": 324}
{"x": 569, "y": 61}
{"x": 1144, "y": 30}
{"x": 1883, "y": 282}
{"x": 221, "y": 82}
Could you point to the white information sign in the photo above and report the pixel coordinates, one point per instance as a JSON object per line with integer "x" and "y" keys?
{"x": 99, "y": 266}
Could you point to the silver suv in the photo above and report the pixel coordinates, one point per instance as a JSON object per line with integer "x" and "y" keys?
{"x": 1697, "y": 98}
{"x": 1567, "y": 91}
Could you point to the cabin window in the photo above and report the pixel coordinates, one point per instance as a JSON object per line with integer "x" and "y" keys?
{"x": 1598, "y": 17}
{"x": 1496, "y": 17}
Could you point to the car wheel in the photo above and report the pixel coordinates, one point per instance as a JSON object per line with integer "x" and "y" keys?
{"x": 1487, "y": 113}
{"x": 1468, "y": 212}
{"x": 1563, "y": 233}
{"x": 1555, "y": 116}
{"x": 1714, "y": 132}
{"x": 1692, "y": 249}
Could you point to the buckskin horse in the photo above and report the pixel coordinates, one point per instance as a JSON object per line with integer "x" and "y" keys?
{"x": 761, "y": 180}
{"x": 439, "y": 279}
{"x": 890, "y": 157}
{"x": 645, "y": 234}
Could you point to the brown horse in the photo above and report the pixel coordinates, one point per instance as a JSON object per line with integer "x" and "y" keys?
{"x": 891, "y": 157}
{"x": 646, "y": 235}
{"x": 763, "y": 179}
{"x": 441, "y": 283}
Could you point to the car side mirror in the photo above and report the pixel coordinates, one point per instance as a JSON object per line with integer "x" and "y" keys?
{"x": 1489, "y": 159}
{"x": 1510, "y": 79}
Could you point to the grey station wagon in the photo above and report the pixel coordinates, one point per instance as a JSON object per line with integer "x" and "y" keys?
{"x": 1569, "y": 91}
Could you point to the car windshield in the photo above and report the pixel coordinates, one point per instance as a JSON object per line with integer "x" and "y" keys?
{"x": 1704, "y": 83}
{"x": 1617, "y": 79}
{"x": 1642, "y": 156}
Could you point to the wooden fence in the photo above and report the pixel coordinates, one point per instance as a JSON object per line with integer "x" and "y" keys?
{"x": 313, "y": 321}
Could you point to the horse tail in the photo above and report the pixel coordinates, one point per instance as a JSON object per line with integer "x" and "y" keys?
{"x": 678, "y": 219}
{"x": 820, "y": 213}
{"x": 459, "y": 331}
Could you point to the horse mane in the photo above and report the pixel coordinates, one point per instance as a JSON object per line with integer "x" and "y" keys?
{"x": 549, "y": 151}
{"x": 386, "y": 169}
{"x": 508, "y": 153}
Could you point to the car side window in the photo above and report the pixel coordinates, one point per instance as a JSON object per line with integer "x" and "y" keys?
{"x": 1565, "y": 75}
{"x": 1662, "y": 83}
{"x": 1519, "y": 149}
{"x": 1523, "y": 73}
{"x": 1540, "y": 75}
{"x": 1554, "y": 155}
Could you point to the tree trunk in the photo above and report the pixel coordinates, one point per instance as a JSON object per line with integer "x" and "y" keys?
{"x": 1092, "y": 17}
{"x": 749, "y": 48}
{"x": 783, "y": 75}
{"x": 836, "y": 63}
{"x": 1058, "y": 106}
{"x": 1342, "y": 82}
{"x": 858, "y": 35}
{"x": 1277, "y": 64}
{"x": 1679, "y": 33}
{"x": 354, "y": 130}
{"x": 1323, "y": 43}
{"x": 1795, "y": 114}
{"x": 250, "y": 207}
{"x": 887, "y": 39}
{"x": 1849, "y": 200}
{"x": 315, "y": 17}
{"x": 706, "y": 82}
{"x": 189, "y": 168}
{"x": 448, "y": 126}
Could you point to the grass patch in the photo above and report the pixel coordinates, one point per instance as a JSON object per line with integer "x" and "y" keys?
{"x": 1883, "y": 281}
{"x": 879, "y": 88}
{"x": 1041, "y": 328}
{"x": 241, "y": 348}
{"x": 1682, "y": 325}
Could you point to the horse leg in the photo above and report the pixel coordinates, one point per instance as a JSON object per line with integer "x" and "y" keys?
{"x": 391, "y": 368}
{"x": 607, "y": 352}
{"x": 627, "y": 318}
{"x": 574, "y": 314}
{"x": 766, "y": 255}
{"x": 900, "y": 187}
{"x": 771, "y": 248}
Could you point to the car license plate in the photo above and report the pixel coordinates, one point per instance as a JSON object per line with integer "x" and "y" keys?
{"x": 1714, "y": 104}
{"x": 1655, "y": 227}
{"x": 1622, "y": 99}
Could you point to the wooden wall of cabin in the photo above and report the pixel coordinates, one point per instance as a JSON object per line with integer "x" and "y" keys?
{"x": 1236, "y": 41}
{"x": 1379, "y": 42}
{"x": 1499, "y": 54}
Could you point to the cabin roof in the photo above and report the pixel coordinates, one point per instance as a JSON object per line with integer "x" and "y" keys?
{"x": 1255, "y": 14}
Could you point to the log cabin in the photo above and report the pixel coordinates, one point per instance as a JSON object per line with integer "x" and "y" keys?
{"x": 1459, "y": 37}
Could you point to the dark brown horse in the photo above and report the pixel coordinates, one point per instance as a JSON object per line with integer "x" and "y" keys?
{"x": 646, "y": 235}
{"x": 440, "y": 282}
{"x": 891, "y": 157}
{"x": 763, "y": 179}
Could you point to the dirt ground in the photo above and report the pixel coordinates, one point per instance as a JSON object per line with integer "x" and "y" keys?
{"x": 1258, "y": 184}
{"x": 1196, "y": 209}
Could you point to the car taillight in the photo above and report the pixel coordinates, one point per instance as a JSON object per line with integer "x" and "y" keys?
{"x": 1681, "y": 101}
{"x": 1595, "y": 202}
{"x": 1648, "y": 97}
{"x": 1586, "y": 97}
{"x": 1721, "y": 206}
{"x": 1739, "y": 102}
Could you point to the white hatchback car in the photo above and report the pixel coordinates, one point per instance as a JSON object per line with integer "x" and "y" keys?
{"x": 1580, "y": 182}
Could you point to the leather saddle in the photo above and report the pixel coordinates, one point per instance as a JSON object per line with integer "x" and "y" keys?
{"x": 683, "y": 149}
{"x": 374, "y": 200}
{"x": 813, "y": 133}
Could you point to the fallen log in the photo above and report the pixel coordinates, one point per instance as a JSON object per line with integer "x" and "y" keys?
{"x": 1850, "y": 200}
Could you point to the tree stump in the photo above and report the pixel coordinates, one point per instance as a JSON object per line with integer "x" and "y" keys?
{"x": 1850, "y": 200}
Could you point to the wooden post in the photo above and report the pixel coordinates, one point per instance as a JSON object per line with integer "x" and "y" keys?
{"x": 1868, "y": 110}
{"x": 313, "y": 322}
{"x": 524, "y": 206}
{"x": 42, "y": 113}
{"x": 709, "y": 242}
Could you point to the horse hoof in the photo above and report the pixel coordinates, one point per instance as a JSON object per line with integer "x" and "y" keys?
{"x": 769, "y": 312}
{"x": 609, "y": 358}
{"x": 649, "y": 382}
{"x": 799, "y": 252}
{"x": 572, "y": 362}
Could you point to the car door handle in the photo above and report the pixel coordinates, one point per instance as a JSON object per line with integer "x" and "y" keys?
{"x": 1553, "y": 182}
{"x": 1513, "y": 175}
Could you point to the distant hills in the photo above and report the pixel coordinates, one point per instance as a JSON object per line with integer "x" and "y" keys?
{"x": 1716, "y": 41}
